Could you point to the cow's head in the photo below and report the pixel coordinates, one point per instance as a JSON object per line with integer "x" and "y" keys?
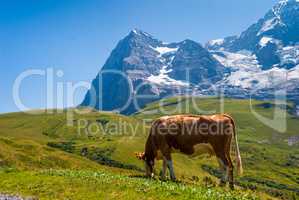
{"x": 148, "y": 162}
{"x": 140, "y": 155}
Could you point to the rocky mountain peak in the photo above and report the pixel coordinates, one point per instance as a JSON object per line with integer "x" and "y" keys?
{"x": 153, "y": 68}
{"x": 138, "y": 38}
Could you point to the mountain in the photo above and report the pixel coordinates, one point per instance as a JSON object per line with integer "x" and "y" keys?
{"x": 260, "y": 61}
{"x": 263, "y": 58}
{"x": 274, "y": 39}
{"x": 143, "y": 65}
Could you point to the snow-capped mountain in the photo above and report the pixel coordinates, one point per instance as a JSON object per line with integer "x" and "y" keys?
{"x": 262, "y": 60}
{"x": 265, "y": 56}
{"x": 280, "y": 23}
{"x": 274, "y": 39}
{"x": 143, "y": 65}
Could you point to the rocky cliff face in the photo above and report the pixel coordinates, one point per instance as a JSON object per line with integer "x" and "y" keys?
{"x": 143, "y": 65}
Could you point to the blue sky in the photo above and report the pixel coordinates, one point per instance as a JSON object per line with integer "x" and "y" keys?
{"x": 77, "y": 36}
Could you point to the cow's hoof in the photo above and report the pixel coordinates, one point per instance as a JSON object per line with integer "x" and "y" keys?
{"x": 174, "y": 179}
{"x": 152, "y": 175}
{"x": 222, "y": 184}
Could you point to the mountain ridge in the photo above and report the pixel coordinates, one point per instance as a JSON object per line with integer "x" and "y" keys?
{"x": 141, "y": 64}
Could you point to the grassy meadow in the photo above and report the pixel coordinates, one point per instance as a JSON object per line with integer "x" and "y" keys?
{"x": 41, "y": 156}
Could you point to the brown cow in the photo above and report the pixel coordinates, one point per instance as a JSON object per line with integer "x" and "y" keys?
{"x": 191, "y": 135}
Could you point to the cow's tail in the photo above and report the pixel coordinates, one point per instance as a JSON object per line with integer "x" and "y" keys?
{"x": 238, "y": 155}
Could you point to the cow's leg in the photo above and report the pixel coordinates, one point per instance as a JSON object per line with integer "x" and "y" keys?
{"x": 164, "y": 167}
{"x": 169, "y": 163}
{"x": 171, "y": 171}
{"x": 222, "y": 159}
{"x": 230, "y": 167}
{"x": 230, "y": 170}
{"x": 223, "y": 170}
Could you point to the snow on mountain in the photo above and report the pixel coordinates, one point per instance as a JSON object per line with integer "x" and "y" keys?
{"x": 273, "y": 18}
{"x": 293, "y": 73}
{"x": 139, "y": 32}
{"x": 289, "y": 56}
{"x": 164, "y": 49}
{"x": 247, "y": 73}
{"x": 264, "y": 56}
{"x": 221, "y": 44}
{"x": 216, "y": 42}
{"x": 280, "y": 22}
{"x": 261, "y": 79}
{"x": 257, "y": 79}
{"x": 236, "y": 61}
{"x": 269, "y": 24}
{"x": 264, "y": 41}
{"x": 243, "y": 66}
{"x": 163, "y": 79}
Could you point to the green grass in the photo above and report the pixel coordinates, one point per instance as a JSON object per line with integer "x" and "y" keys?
{"x": 67, "y": 184}
{"x": 33, "y": 144}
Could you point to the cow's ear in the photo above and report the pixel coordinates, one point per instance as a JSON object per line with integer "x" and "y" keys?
{"x": 140, "y": 155}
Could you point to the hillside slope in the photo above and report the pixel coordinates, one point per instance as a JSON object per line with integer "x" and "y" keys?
{"x": 32, "y": 144}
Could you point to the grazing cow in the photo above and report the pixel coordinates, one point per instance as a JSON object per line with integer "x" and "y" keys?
{"x": 191, "y": 135}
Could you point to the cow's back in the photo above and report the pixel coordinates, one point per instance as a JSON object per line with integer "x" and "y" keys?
{"x": 181, "y": 132}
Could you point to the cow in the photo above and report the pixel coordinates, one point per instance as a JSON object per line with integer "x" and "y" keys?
{"x": 192, "y": 135}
